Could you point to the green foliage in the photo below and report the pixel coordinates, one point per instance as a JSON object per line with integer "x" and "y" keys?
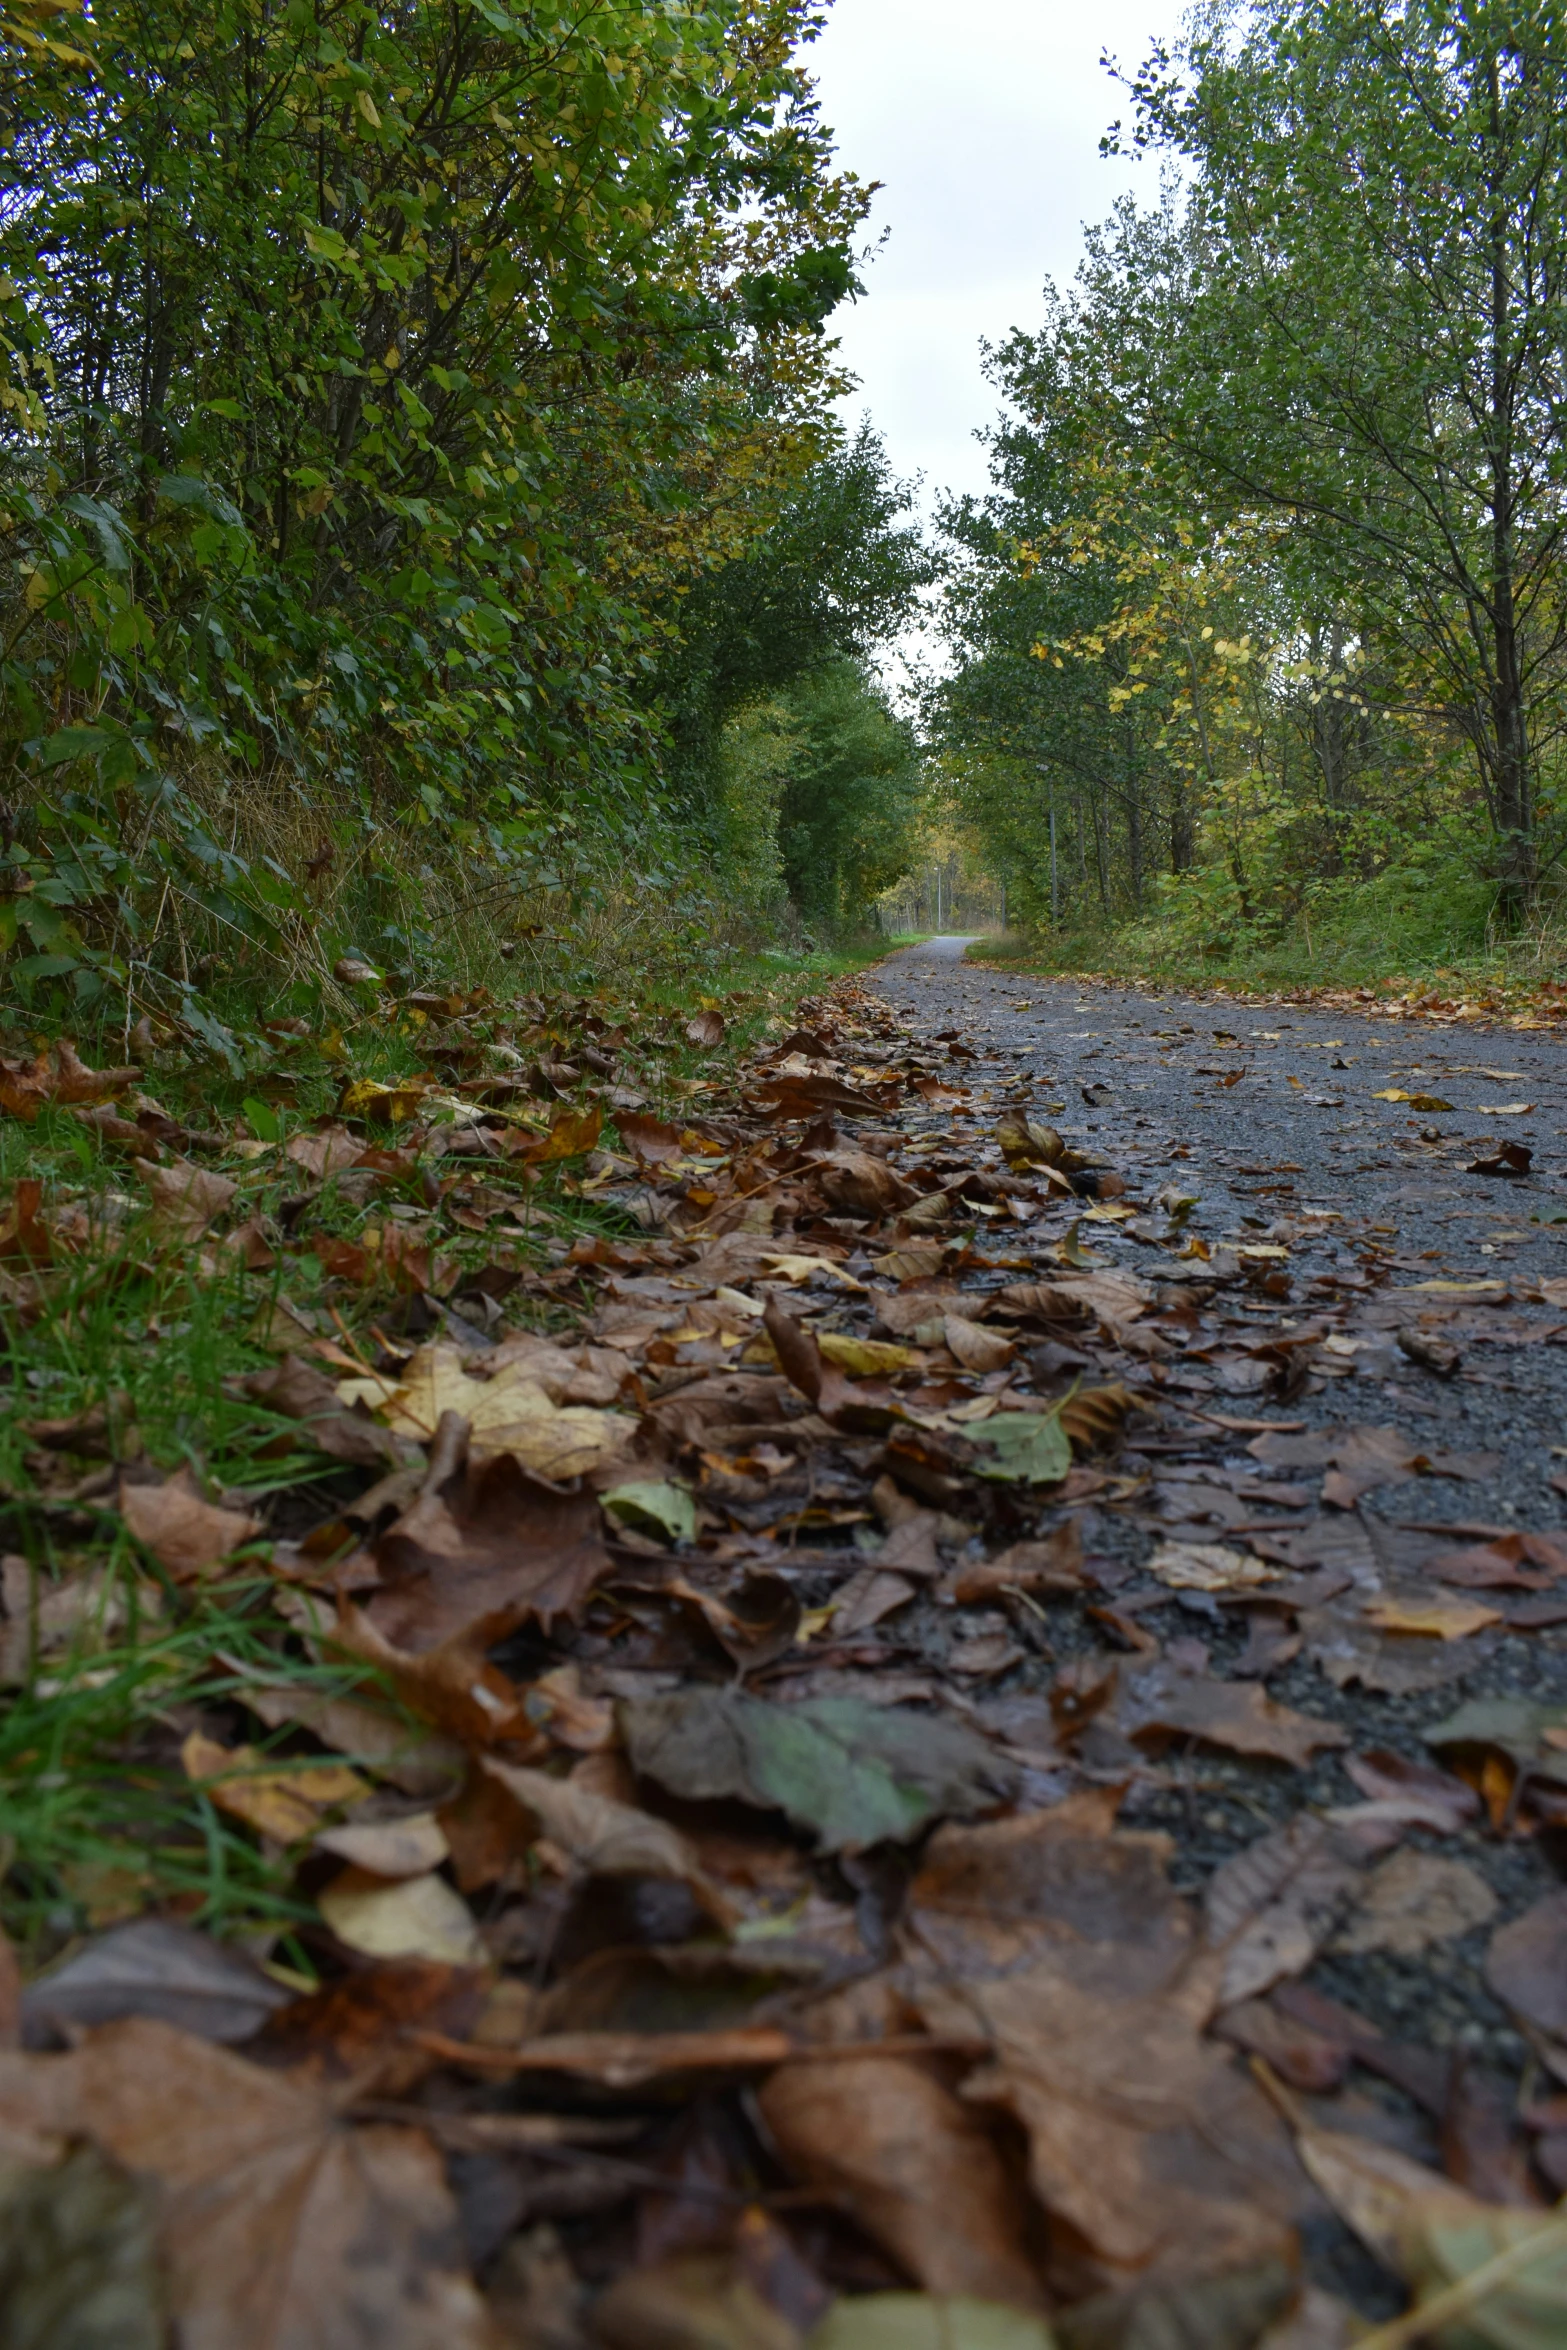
{"x": 370, "y": 387}
{"x": 823, "y": 791}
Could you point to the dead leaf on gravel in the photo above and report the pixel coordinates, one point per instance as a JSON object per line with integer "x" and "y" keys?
{"x": 153, "y": 1967}
{"x": 976, "y": 1348}
{"x": 186, "y": 1199}
{"x": 847, "y": 1770}
{"x": 1272, "y": 1906}
{"x": 1412, "y": 1900}
{"x": 1526, "y": 1965}
{"x": 915, "y": 2164}
{"x": 1209, "y": 1566}
{"x": 188, "y": 1537}
{"x": 277, "y": 2220}
{"x": 1432, "y": 1615}
{"x": 1163, "y": 1701}
{"x": 1054, "y": 1564}
{"x": 1411, "y": 1794}
{"x": 1511, "y": 1159}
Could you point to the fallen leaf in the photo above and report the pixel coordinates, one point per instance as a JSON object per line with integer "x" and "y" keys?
{"x": 882, "y": 2137}
{"x": 186, "y": 1535}
{"x": 846, "y": 1769}
{"x": 698, "y": 2301}
{"x": 487, "y": 1550}
{"x": 1433, "y": 1615}
{"x": 1526, "y": 1965}
{"x": 185, "y": 1199}
{"x": 654, "y": 1507}
{"x": 706, "y": 1029}
{"x": 1505, "y": 1109}
{"x": 1508, "y": 1158}
{"x": 1162, "y": 1701}
{"x": 278, "y": 2222}
{"x": 283, "y": 1801}
{"x": 1271, "y": 1907}
{"x": 927, "y": 2321}
{"x": 57, "y": 1075}
{"x": 407, "y": 1847}
{"x": 1209, "y": 1566}
{"x": 596, "y": 1833}
{"x": 414, "y": 1917}
{"x": 510, "y": 1413}
{"x": 153, "y": 1967}
{"x": 976, "y": 1348}
{"x": 1025, "y": 1447}
{"x": 1412, "y": 1900}
{"x": 867, "y": 1358}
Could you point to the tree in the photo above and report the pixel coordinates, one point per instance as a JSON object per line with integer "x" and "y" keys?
{"x": 1369, "y": 343}
{"x": 370, "y": 380}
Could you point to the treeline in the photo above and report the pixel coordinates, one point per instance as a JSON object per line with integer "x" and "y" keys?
{"x": 1262, "y": 622}
{"x": 416, "y": 499}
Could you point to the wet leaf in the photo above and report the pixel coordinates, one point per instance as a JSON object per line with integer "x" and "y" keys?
{"x": 153, "y": 1967}
{"x": 654, "y": 1507}
{"x": 849, "y": 1771}
{"x": 277, "y": 2221}
{"x": 1026, "y": 1447}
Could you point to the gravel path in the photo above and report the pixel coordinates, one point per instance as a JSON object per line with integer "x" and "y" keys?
{"x": 1370, "y": 1198}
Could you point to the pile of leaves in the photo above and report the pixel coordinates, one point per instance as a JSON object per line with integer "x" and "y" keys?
{"x": 744, "y": 1567}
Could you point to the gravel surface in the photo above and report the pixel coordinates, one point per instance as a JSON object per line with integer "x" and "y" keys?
{"x": 1298, "y": 1151}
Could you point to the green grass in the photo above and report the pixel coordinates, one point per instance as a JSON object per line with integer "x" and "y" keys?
{"x": 97, "y": 1817}
{"x": 1426, "y": 925}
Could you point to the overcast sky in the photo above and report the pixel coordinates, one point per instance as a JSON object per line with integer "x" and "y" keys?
{"x": 982, "y": 118}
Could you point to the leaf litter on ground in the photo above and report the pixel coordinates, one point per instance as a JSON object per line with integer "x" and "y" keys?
{"x": 591, "y": 1793}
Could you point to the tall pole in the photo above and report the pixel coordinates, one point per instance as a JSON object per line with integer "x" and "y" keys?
{"x": 1055, "y": 896}
{"x": 938, "y": 901}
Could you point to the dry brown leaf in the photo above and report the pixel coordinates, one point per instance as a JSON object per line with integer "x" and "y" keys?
{"x": 1209, "y": 1566}
{"x": 976, "y": 1348}
{"x": 1271, "y": 1907}
{"x": 916, "y": 2167}
{"x": 596, "y": 1833}
{"x": 185, "y": 1199}
{"x": 286, "y": 1804}
{"x": 1412, "y": 1900}
{"x": 278, "y": 2222}
{"x": 406, "y": 1847}
{"x": 57, "y": 1075}
{"x": 511, "y": 1413}
{"x": 1162, "y": 1701}
{"x": 188, "y": 1537}
{"x": 1434, "y": 1615}
{"x": 489, "y": 1549}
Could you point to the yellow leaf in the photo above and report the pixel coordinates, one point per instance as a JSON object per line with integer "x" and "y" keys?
{"x": 867, "y": 1358}
{"x": 1438, "y": 1617}
{"x": 1505, "y": 1109}
{"x": 283, "y": 1804}
{"x": 509, "y": 1413}
{"x": 366, "y": 106}
{"x": 419, "y": 1918}
{"x": 798, "y": 1269}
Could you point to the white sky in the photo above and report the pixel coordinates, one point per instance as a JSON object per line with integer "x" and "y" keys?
{"x": 982, "y": 118}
